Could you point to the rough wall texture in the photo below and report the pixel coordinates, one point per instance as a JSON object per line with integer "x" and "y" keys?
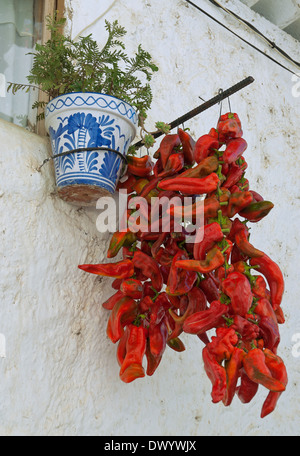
{"x": 60, "y": 375}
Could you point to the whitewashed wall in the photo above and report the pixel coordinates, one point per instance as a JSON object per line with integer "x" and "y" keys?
{"x": 60, "y": 375}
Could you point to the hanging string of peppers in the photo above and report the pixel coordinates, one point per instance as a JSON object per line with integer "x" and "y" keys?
{"x": 165, "y": 286}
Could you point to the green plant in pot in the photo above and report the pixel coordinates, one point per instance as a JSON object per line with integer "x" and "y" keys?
{"x": 97, "y": 97}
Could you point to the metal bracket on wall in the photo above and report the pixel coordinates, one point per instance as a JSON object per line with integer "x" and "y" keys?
{"x": 222, "y": 95}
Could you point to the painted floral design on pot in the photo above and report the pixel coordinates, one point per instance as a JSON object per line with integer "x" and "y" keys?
{"x": 87, "y": 120}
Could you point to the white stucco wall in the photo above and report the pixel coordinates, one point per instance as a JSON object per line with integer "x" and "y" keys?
{"x": 60, "y": 375}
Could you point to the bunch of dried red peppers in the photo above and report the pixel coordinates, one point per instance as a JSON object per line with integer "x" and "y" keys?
{"x": 165, "y": 286}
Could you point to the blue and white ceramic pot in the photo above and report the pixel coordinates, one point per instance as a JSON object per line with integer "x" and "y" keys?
{"x": 87, "y": 121}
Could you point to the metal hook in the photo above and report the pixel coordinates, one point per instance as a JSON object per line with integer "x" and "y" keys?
{"x": 229, "y": 105}
{"x": 221, "y": 105}
{"x": 220, "y": 102}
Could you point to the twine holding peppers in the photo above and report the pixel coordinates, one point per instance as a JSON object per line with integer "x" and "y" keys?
{"x": 166, "y": 286}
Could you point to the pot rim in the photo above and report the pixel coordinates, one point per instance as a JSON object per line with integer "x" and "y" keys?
{"x": 86, "y": 93}
{"x": 131, "y": 118}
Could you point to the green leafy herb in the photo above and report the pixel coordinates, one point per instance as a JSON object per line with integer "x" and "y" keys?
{"x": 63, "y": 65}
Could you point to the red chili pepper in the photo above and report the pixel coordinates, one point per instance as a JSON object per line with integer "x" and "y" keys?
{"x": 214, "y": 259}
{"x": 243, "y": 184}
{"x": 149, "y": 187}
{"x": 191, "y": 186}
{"x": 204, "y": 320}
{"x": 127, "y": 184}
{"x": 274, "y": 277}
{"x": 241, "y": 239}
{"x": 152, "y": 361}
{"x": 246, "y": 329}
{"x": 146, "y": 247}
{"x": 204, "y": 338}
{"x": 222, "y": 345}
{"x": 158, "y": 335}
{"x": 205, "y": 146}
{"x": 279, "y": 315}
{"x": 231, "y": 115}
{"x": 213, "y": 132}
{"x": 225, "y": 168}
{"x": 121, "y": 348}
{"x": 204, "y": 168}
{"x": 226, "y": 246}
{"x": 222, "y": 272}
{"x": 264, "y": 308}
{"x": 238, "y": 288}
{"x": 146, "y": 303}
{"x": 156, "y": 154}
{"x": 176, "y": 344}
{"x": 235, "y": 173}
{"x": 234, "y": 150}
{"x": 210, "y": 289}
{"x": 196, "y": 303}
{"x": 127, "y": 253}
{"x": 237, "y": 202}
{"x": 188, "y": 146}
{"x": 236, "y": 226}
{"x": 242, "y": 266}
{"x": 121, "y": 270}
{"x": 110, "y": 302}
{"x": 259, "y": 288}
{"x": 132, "y": 288}
{"x": 131, "y": 367}
{"x": 237, "y": 255}
{"x": 224, "y": 196}
{"x": 256, "y": 196}
{"x": 183, "y": 304}
{"x": 255, "y": 367}
{"x": 166, "y": 147}
{"x": 269, "y": 332}
{"x": 268, "y": 324}
{"x": 149, "y": 268}
{"x": 157, "y": 244}
{"x": 174, "y": 164}
{"x": 212, "y": 233}
{"x": 124, "y": 312}
{"x": 256, "y": 211}
{"x": 247, "y": 389}
{"x": 209, "y": 206}
{"x": 165, "y": 271}
{"x": 139, "y": 166}
{"x": 278, "y": 371}
{"x": 116, "y": 284}
{"x": 180, "y": 281}
{"x": 175, "y": 301}
{"x": 158, "y": 167}
{"x": 229, "y": 126}
{"x": 172, "y": 246}
{"x": 140, "y": 184}
{"x": 120, "y": 239}
{"x": 232, "y": 368}
{"x": 163, "y": 257}
{"x": 216, "y": 374}
{"x": 161, "y": 305}
{"x": 148, "y": 236}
